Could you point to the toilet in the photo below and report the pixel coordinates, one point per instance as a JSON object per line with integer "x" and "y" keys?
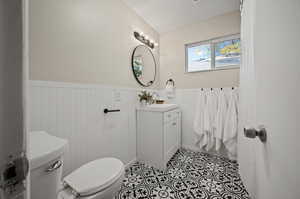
{"x": 98, "y": 179}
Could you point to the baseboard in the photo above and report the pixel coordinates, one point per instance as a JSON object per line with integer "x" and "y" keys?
{"x": 196, "y": 149}
{"x": 192, "y": 148}
{"x": 130, "y": 163}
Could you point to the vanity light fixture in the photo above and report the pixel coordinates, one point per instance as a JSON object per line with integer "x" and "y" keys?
{"x": 145, "y": 39}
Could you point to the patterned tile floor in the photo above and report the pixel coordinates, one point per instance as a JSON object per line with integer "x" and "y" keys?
{"x": 189, "y": 175}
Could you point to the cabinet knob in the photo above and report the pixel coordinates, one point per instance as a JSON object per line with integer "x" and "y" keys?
{"x": 174, "y": 123}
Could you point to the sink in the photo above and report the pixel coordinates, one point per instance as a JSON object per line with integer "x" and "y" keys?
{"x": 158, "y": 107}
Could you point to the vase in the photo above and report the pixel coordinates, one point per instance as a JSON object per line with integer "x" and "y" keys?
{"x": 143, "y": 102}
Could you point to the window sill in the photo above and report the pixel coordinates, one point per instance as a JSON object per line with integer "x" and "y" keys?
{"x": 216, "y": 69}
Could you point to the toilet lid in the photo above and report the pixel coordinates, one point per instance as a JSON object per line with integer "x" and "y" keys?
{"x": 95, "y": 176}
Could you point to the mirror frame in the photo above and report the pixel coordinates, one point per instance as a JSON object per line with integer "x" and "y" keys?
{"x": 132, "y": 68}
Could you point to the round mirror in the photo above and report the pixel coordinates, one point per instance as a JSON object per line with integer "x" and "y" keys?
{"x": 143, "y": 65}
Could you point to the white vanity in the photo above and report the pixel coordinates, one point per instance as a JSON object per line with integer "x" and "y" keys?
{"x": 158, "y": 133}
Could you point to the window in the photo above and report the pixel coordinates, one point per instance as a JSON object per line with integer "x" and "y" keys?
{"x": 215, "y": 54}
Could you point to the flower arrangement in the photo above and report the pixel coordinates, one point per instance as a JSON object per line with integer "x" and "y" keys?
{"x": 145, "y": 96}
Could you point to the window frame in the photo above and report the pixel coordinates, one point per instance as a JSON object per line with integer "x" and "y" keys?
{"x": 212, "y": 43}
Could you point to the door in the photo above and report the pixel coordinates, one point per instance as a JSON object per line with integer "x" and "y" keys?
{"x": 13, "y": 163}
{"x": 270, "y": 80}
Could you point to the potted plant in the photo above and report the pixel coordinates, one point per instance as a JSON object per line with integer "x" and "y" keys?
{"x": 145, "y": 97}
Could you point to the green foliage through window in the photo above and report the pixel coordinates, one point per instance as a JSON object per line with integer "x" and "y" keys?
{"x": 213, "y": 54}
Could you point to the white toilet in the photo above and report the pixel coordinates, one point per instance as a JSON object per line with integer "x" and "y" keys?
{"x": 99, "y": 179}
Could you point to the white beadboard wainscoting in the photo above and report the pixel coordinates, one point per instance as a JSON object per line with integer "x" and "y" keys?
{"x": 186, "y": 99}
{"x": 75, "y": 112}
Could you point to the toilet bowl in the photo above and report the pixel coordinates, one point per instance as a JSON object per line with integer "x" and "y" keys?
{"x": 98, "y": 179}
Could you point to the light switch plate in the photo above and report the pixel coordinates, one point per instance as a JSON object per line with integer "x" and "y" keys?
{"x": 116, "y": 96}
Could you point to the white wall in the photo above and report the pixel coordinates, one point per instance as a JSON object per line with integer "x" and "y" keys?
{"x": 186, "y": 99}
{"x": 86, "y": 44}
{"x": 75, "y": 112}
{"x": 172, "y": 57}
{"x": 84, "y": 41}
{"x": 173, "y": 64}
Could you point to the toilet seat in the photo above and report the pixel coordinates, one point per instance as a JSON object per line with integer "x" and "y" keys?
{"x": 95, "y": 176}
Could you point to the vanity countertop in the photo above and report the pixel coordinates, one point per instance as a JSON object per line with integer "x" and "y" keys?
{"x": 158, "y": 107}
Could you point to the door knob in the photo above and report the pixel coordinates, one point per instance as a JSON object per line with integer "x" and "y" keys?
{"x": 261, "y": 133}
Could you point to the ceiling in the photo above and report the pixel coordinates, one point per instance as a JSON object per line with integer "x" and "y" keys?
{"x": 167, "y": 15}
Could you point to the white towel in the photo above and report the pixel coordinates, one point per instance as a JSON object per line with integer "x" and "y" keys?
{"x": 209, "y": 118}
{"x": 199, "y": 120}
{"x": 220, "y": 119}
{"x": 231, "y": 125}
{"x": 170, "y": 91}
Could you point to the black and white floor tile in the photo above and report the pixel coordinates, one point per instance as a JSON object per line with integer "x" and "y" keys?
{"x": 189, "y": 175}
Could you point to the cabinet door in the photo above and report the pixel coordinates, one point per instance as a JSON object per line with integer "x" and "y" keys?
{"x": 170, "y": 139}
{"x": 150, "y": 137}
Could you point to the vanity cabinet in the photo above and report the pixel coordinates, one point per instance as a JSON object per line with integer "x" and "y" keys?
{"x": 158, "y": 135}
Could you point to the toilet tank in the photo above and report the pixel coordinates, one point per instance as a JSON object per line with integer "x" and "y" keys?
{"x": 46, "y": 164}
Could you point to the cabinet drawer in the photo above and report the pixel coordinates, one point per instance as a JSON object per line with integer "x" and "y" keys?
{"x": 171, "y": 115}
